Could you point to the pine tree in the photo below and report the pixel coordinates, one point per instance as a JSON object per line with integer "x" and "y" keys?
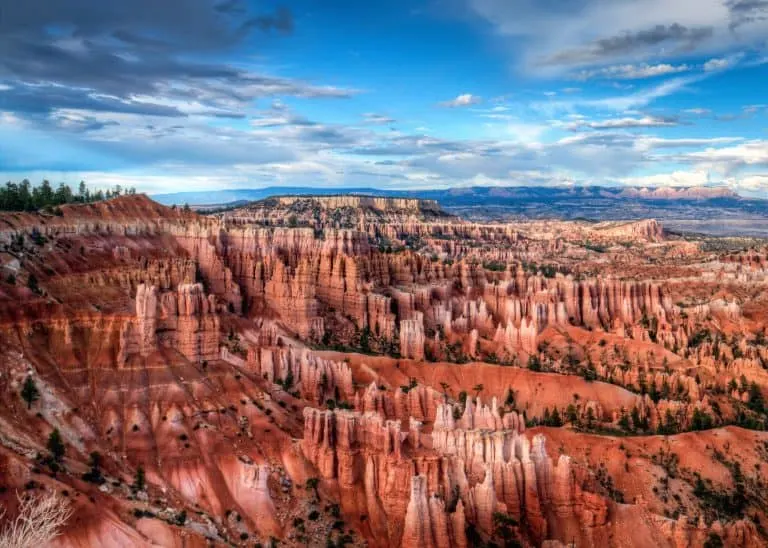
{"x": 29, "y": 392}
{"x": 637, "y": 422}
{"x": 590, "y": 417}
{"x": 139, "y": 480}
{"x": 571, "y": 414}
{"x": 669, "y": 426}
{"x": 714, "y": 541}
{"x": 94, "y": 474}
{"x": 45, "y": 193}
{"x": 32, "y": 283}
{"x": 624, "y": 422}
{"x": 701, "y": 420}
{"x": 56, "y": 446}
{"x": 312, "y": 485}
{"x": 653, "y": 392}
{"x": 555, "y": 419}
{"x": 756, "y": 401}
{"x": 534, "y": 364}
{"x": 510, "y": 401}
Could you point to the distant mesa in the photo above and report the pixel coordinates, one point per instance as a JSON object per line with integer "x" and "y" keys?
{"x": 648, "y": 230}
{"x": 377, "y": 203}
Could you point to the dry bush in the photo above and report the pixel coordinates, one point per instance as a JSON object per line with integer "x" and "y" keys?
{"x": 39, "y": 521}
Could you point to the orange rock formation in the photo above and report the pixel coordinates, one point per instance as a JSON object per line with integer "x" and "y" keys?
{"x": 370, "y": 371}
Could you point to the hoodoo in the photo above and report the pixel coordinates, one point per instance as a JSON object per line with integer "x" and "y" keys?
{"x": 365, "y": 371}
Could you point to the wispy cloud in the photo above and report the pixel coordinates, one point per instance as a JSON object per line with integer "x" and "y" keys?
{"x": 377, "y": 119}
{"x": 638, "y": 99}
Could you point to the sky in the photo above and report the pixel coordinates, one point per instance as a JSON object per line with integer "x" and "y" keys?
{"x": 179, "y": 95}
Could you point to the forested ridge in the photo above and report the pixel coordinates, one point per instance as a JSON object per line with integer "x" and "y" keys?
{"x": 25, "y": 196}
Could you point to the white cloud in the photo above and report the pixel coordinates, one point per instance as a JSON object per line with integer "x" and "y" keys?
{"x": 722, "y": 63}
{"x": 676, "y": 178}
{"x": 756, "y": 184}
{"x": 659, "y": 142}
{"x": 557, "y": 37}
{"x": 622, "y": 123}
{"x": 632, "y": 72}
{"x": 463, "y": 100}
{"x": 9, "y": 119}
{"x": 716, "y": 64}
{"x": 525, "y": 132}
{"x": 750, "y": 153}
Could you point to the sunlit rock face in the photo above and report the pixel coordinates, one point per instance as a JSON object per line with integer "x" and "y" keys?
{"x": 374, "y": 371}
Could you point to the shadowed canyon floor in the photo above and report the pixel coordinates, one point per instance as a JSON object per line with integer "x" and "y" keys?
{"x": 350, "y": 371}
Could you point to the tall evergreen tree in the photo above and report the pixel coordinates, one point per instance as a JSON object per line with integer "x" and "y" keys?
{"x": 56, "y": 445}
{"x": 29, "y": 392}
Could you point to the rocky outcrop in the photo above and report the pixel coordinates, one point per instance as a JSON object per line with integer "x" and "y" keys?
{"x": 249, "y": 489}
{"x": 518, "y": 337}
{"x": 412, "y": 337}
{"x": 184, "y": 319}
{"x": 648, "y": 229}
{"x": 478, "y": 416}
{"x": 491, "y": 471}
{"x": 427, "y": 524}
{"x": 333, "y": 439}
{"x": 513, "y": 476}
{"x": 315, "y": 378}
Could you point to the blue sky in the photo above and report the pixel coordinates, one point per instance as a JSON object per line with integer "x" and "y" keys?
{"x": 212, "y": 94}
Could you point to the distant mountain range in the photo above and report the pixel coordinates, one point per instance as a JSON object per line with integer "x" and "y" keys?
{"x": 710, "y": 210}
{"x": 454, "y": 196}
